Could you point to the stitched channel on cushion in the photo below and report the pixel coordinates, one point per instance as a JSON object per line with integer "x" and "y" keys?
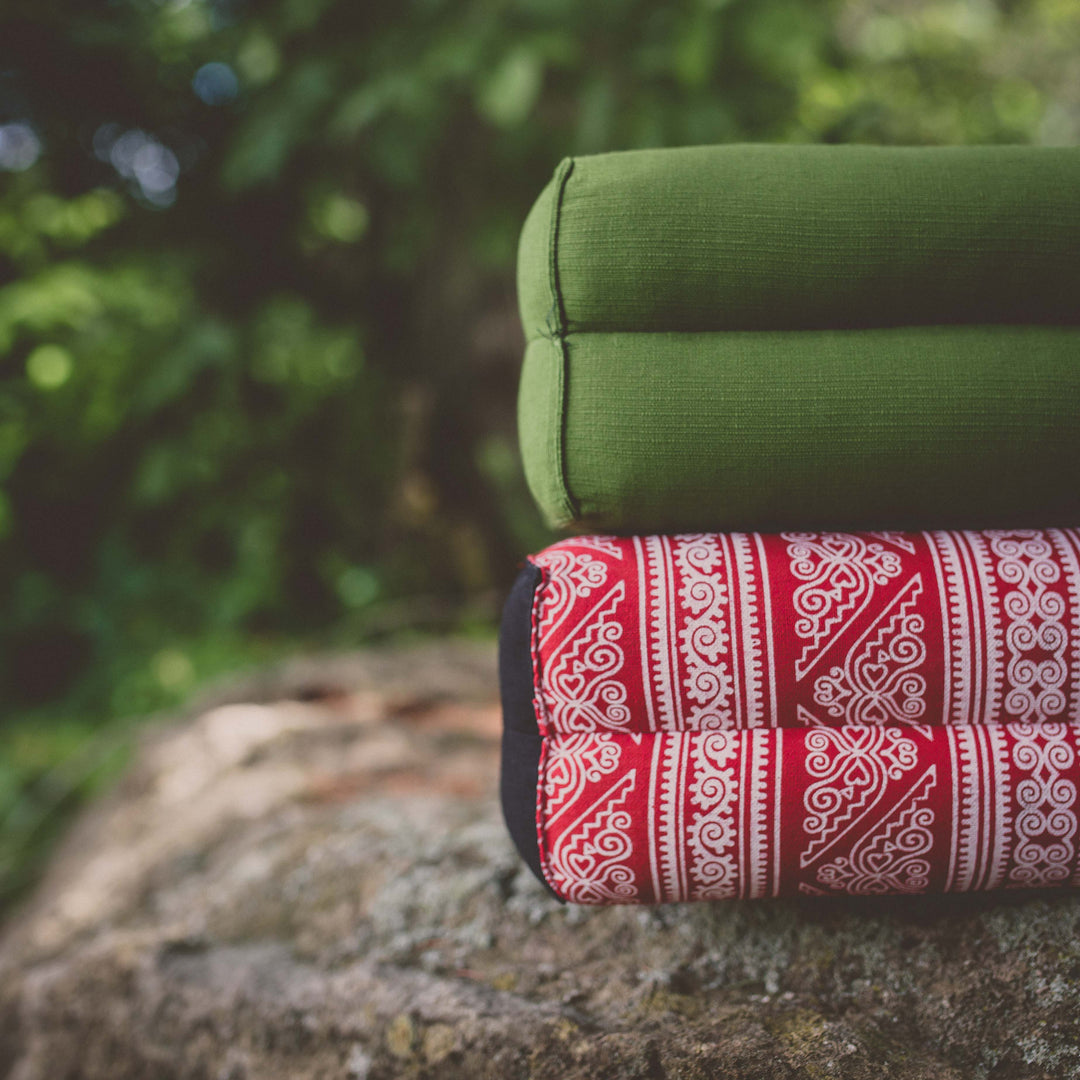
{"x": 570, "y": 508}
{"x": 566, "y": 167}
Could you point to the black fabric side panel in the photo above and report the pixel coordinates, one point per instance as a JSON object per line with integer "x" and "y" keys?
{"x": 520, "y": 769}
{"x": 515, "y": 658}
{"x": 521, "y": 740}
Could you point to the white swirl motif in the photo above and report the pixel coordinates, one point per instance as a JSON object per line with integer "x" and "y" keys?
{"x": 852, "y": 767}
{"x": 579, "y": 680}
{"x": 569, "y": 576}
{"x": 839, "y": 572}
{"x": 893, "y": 857}
{"x": 572, "y": 762}
{"x": 711, "y": 834}
{"x": 879, "y": 682}
{"x": 1046, "y": 817}
{"x": 590, "y": 857}
{"x": 703, "y": 637}
{"x": 1035, "y": 634}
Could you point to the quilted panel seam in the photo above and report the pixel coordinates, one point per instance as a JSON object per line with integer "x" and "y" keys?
{"x": 545, "y": 735}
{"x": 568, "y": 508}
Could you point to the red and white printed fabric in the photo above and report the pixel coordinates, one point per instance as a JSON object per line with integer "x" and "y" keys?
{"x": 745, "y": 715}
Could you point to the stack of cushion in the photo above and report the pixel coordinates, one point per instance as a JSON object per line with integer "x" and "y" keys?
{"x": 818, "y": 347}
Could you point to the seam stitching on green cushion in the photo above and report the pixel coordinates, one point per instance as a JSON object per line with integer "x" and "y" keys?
{"x": 569, "y": 506}
{"x": 562, "y": 174}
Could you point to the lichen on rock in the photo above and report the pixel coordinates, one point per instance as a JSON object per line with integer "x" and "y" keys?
{"x": 326, "y": 889}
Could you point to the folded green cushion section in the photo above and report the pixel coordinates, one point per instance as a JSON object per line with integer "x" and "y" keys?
{"x": 909, "y": 427}
{"x": 748, "y": 237}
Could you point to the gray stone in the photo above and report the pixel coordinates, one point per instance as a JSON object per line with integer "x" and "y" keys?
{"x": 326, "y": 890}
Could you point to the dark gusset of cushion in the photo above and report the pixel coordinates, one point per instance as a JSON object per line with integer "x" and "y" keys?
{"x": 830, "y": 399}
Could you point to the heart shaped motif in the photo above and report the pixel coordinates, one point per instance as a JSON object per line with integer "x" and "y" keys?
{"x": 844, "y": 577}
{"x": 572, "y": 686}
{"x": 878, "y": 862}
{"x": 873, "y": 713}
{"x": 582, "y": 864}
{"x": 875, "y": 674}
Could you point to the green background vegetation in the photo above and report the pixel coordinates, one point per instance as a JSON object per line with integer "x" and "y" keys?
{"x": 258, "y": 338}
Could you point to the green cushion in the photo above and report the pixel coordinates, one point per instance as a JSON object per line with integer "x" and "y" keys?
{"x": 794, "y": 237}
{"x": 909, "y": 427}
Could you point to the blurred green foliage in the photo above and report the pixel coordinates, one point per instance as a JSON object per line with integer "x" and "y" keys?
{"x": 258, "y": 342}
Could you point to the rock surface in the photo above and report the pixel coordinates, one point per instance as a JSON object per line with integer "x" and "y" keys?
{"x": 326, "y": 890}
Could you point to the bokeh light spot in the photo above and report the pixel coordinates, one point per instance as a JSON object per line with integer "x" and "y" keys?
{"x": 357, "y": 586}
{"x": 337, "y": 217}
{"x": 512, "y": 89}
{"x": 258, "y": 59}
{"x": 123, "y": 149}
{"x": 49, "y": 366}
{"x": 216, "y": 84}
{"x": 19, "y": 146}
{"x": 138, "y": 156}
{"x": 156, "y": 168}
{"x": 173, "y": 670}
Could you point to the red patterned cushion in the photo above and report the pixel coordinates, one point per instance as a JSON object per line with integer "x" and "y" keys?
{"x": 740, "y": 715}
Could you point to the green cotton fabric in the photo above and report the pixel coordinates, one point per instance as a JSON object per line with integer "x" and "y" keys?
{"x": 760, "y": 237}
{"x": 804, "y": 337}
{"x": 910, "y": 427}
